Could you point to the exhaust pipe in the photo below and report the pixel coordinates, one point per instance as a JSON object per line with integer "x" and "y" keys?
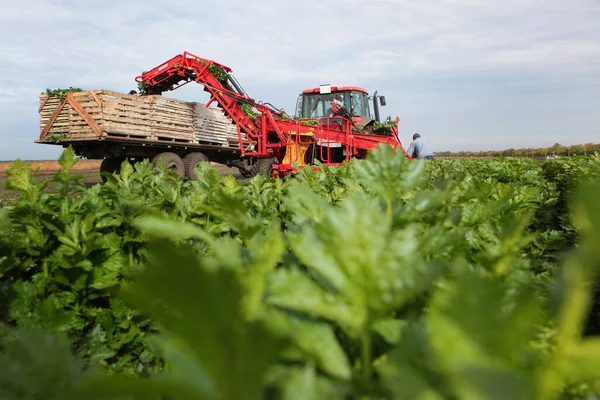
{"x": 376, "y": 106}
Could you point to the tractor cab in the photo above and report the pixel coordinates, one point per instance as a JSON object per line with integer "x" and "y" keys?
{"x": 317, "y": 103}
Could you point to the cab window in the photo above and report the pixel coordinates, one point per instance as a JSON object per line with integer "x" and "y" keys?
{"x": 316, "y": 106}
{"x": 298, "y": 112}
{"x": 360, "y": 105}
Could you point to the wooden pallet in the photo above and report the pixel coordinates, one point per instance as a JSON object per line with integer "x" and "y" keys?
{"x": 96, "y": 114}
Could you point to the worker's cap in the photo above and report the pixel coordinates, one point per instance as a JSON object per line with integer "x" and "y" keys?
{"x": 416, "y": 135}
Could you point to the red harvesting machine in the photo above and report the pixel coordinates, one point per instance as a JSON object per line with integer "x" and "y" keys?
{"x": 331, "y": 124}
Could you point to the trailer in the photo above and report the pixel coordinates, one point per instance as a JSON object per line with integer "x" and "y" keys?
{"x": 111, "y": 126}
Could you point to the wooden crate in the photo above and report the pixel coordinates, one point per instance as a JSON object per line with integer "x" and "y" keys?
{"x": 59, "y": 117}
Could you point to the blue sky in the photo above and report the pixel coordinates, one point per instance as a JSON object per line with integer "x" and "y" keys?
{"x": 468, "y": 74}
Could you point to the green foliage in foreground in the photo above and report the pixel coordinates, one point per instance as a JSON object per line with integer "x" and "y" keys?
{"x": 382, "y": 279}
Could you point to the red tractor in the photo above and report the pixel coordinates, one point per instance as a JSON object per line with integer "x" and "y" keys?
{"x": 331, "y": 124}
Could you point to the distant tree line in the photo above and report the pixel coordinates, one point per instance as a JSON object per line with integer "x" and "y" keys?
{"x": 556, "y": 149}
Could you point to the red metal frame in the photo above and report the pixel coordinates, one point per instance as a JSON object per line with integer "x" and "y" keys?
{"x": 337, "y": 89}
{"x": 187, "y": 67}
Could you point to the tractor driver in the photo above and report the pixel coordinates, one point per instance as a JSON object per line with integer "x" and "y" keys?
{"x": 338, "y": 99}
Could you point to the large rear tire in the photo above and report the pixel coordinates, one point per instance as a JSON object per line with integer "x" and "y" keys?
{"x": 172, "y": 162}
{"x": 191, "y": 162}
{"x": 111, "y": 165}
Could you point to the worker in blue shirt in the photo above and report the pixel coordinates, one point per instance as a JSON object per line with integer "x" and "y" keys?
{"x": 420, "y": 148}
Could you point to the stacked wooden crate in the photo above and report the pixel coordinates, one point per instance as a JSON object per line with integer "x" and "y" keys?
{"x": 172, "y": 119}
{"x": 105, "y": 114}
{"x": 212, "y": 126}
{"x": 126, "y": 115}
{"x": 94, "y": 114}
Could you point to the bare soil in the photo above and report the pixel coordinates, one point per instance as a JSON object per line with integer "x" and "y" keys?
{"x": 53, "y": 166}
{"x": 89, "y": 168}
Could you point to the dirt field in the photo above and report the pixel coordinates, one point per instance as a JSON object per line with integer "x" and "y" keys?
{"x": 7, "y": 197}
{"x": 89, "y": 168}
{"x": 53, "y": 166}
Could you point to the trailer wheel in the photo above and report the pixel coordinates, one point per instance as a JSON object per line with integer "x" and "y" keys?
{"x": 110, "y": 165}
{"x": 172, "y": 162}
{"x": 191, "y": 162}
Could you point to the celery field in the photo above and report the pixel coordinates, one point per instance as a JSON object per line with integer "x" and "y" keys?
{"x": 386, "y": 278}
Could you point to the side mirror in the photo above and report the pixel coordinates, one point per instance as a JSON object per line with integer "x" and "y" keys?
{"x": 382, "y": 100}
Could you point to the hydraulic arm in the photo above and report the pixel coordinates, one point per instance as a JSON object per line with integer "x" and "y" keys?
{"x": 221, "y": 85}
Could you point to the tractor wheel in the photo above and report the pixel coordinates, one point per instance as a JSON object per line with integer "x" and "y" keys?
{"x": 246, "y": 169}
{"x": 110, "y": 165}
{"x": 264, "y": 166}
{"x": 172, "y": 162}
{"x": 191, "y": 162}
{"x": 246, "y": 173}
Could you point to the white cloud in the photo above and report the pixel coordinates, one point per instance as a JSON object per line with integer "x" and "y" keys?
{"x": 409, "y": 49}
